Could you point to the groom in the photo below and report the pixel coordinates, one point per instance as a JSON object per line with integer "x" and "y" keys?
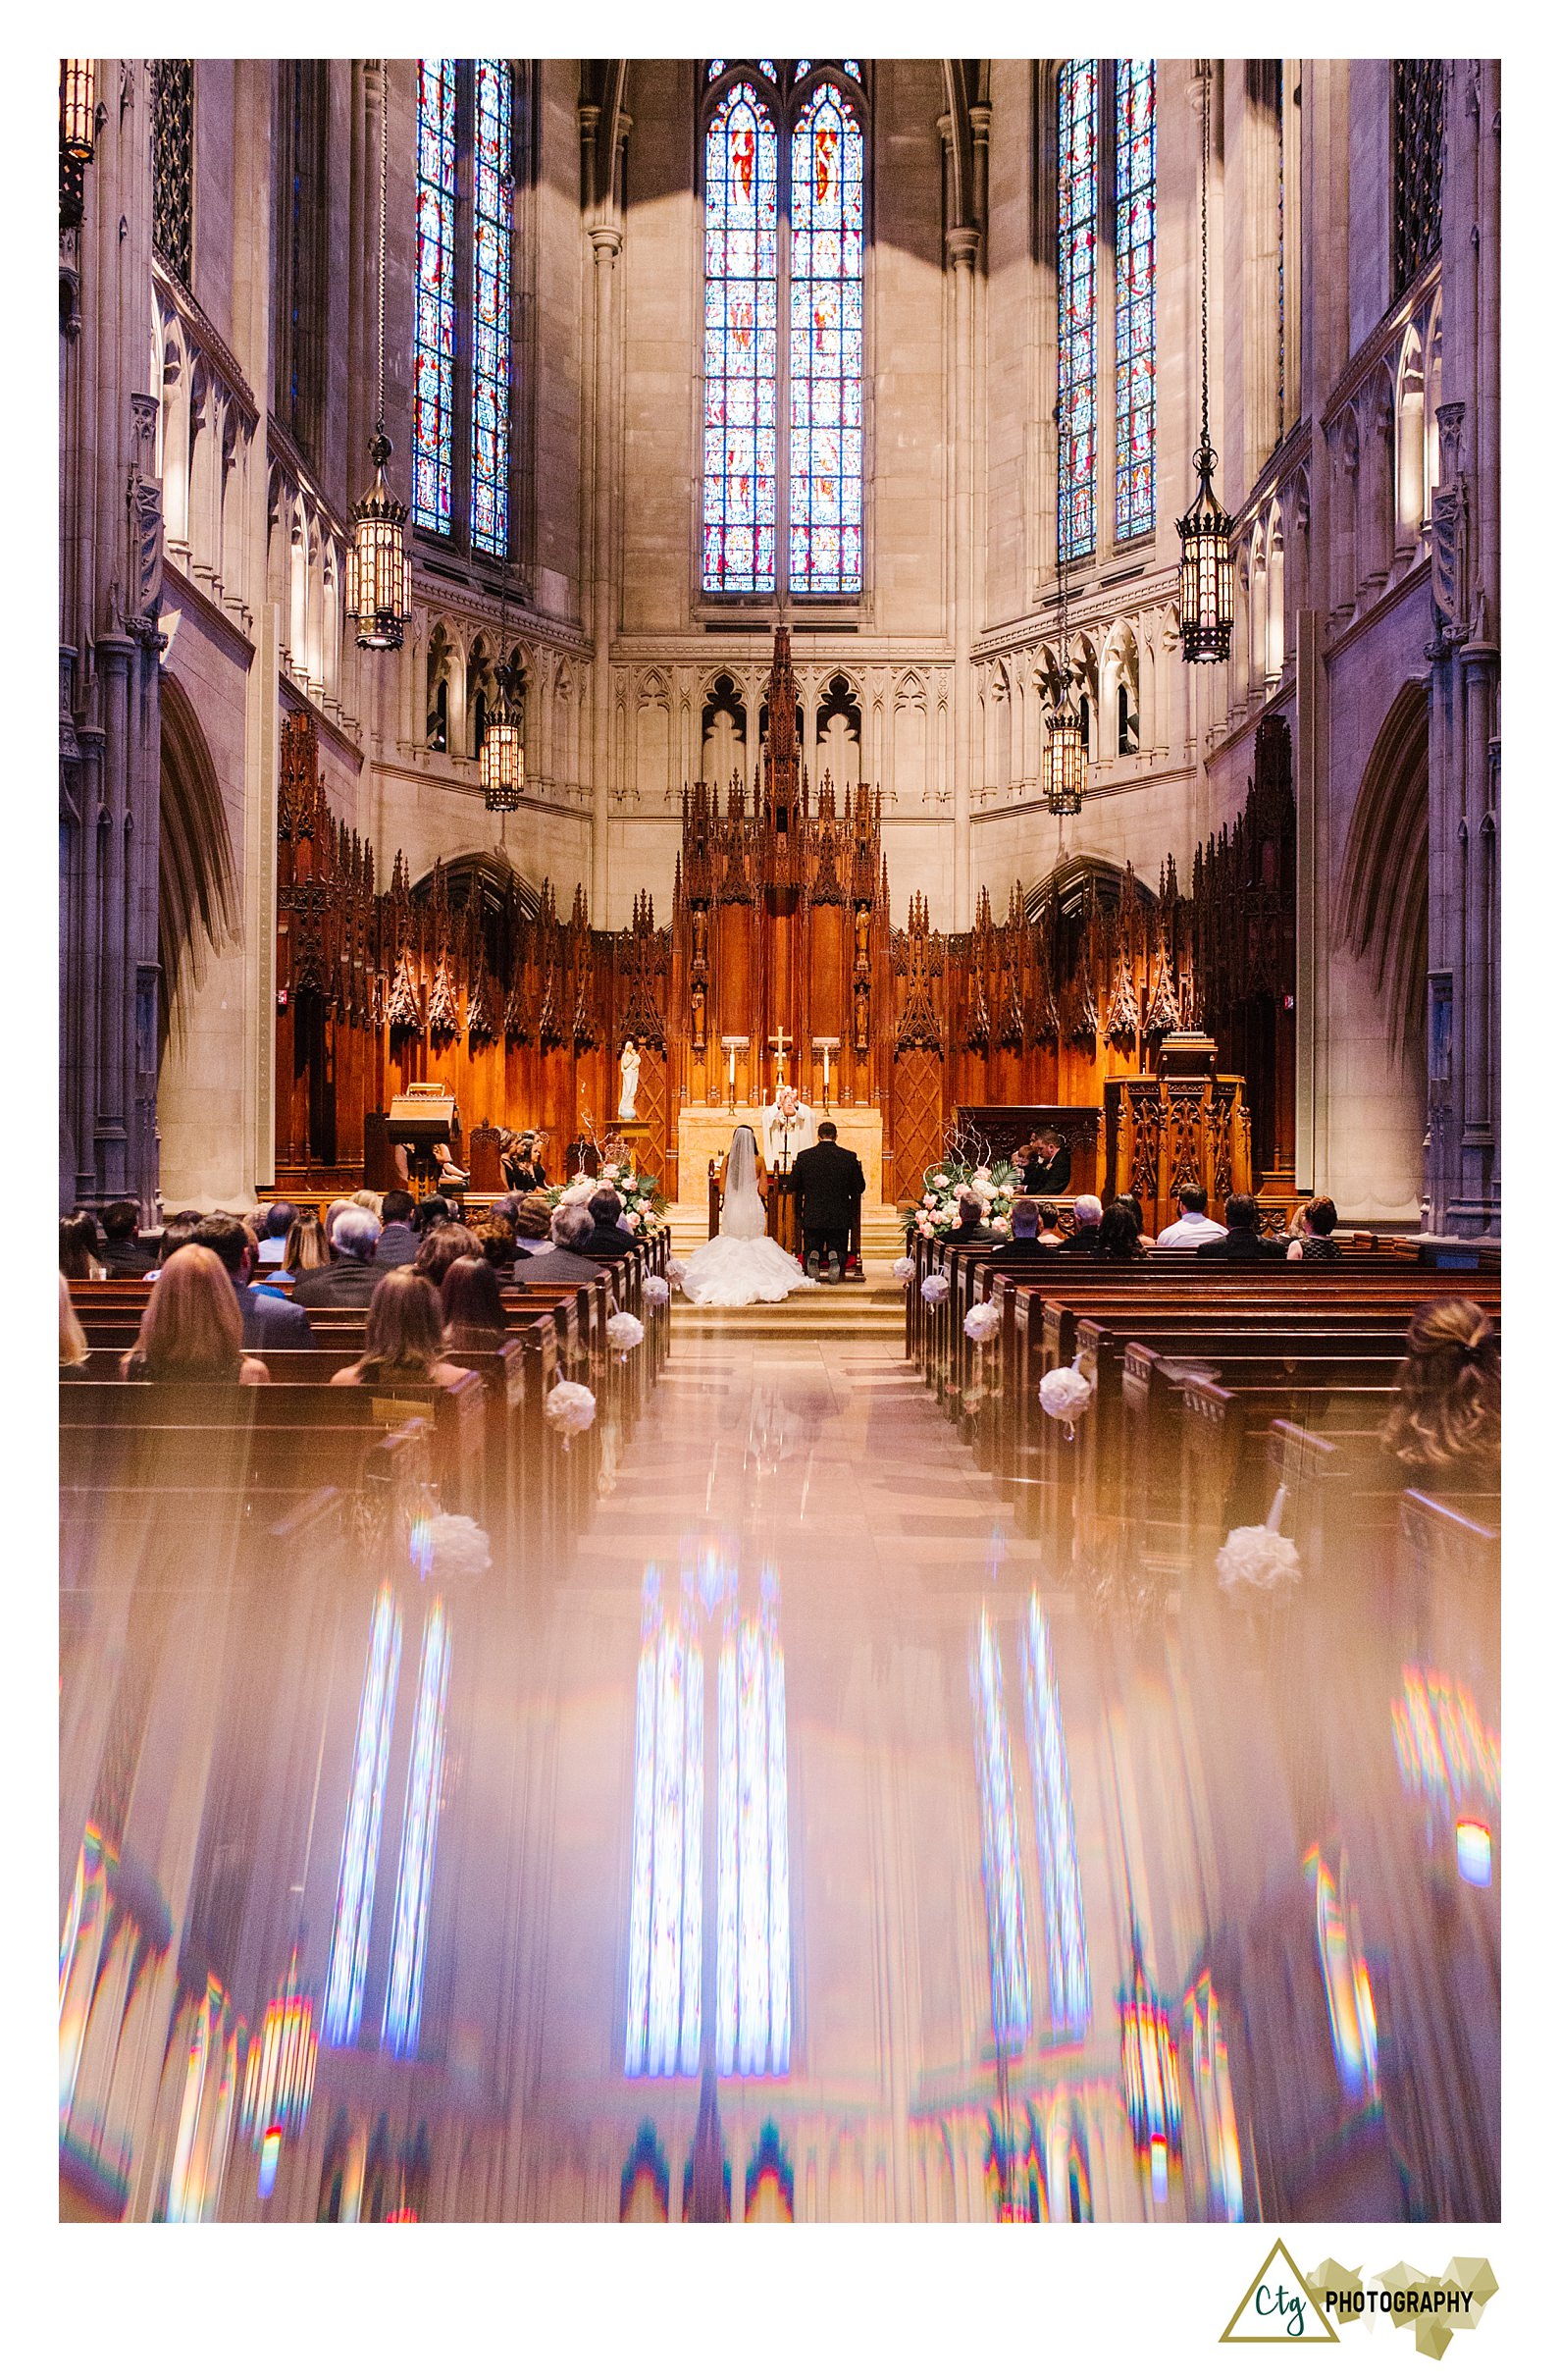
{"x": 829, "y": 1185}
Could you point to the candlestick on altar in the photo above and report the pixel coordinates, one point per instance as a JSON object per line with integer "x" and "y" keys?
{"x": 731, "y": 1043}
{"x": 827, "y": 1043}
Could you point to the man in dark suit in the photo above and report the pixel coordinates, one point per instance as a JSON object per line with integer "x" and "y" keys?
{"x": 351, "y": 1277}
{"x": 123, "y": 1258}
{"x": 569, "y": 1231}
{"x": 399, "y": 1243}
{"x": 1026, "y": 1248}
{"x": 1048, "y": 1167}
{"x": 1085, "y": 1238}
{"x": 1242, "y": 1242}
{"x": 971, "y": 1230}
{"x": 268, "y": 1321}
{"x": 829, "y": 1186}
{"x": 608, "y": 1235}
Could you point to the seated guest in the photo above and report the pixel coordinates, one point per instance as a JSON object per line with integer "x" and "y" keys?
{"x": 192, "y": 1329}
{"x": 1443, "y": 1426}
{"x": 1119, "y": 1240}
{"x": 533, "y": 1226}
{"x": 566, "y": 1260}
{"x": 305, "y": 1250}
{"x": 350, "y": 1278}
{"x": 1086, "y": 1213}
{"x": 608, "y": 1235}
{"x": 472, "y": 1305}
{"x": 496, "y": 1240}
{"x": 430, "y": 1212}
{"x": 1048, "y": 1164}
{"x": 520, "y": 1155}
{"x": 124, "y": 1257}
{"x": 442, "y": 1247}
{"x": 1050, "y": 1217}
{"x": 1134, "y": 1206}
{"x": 397, "y": 1241}
{"x": 1025, "y": 1246}
{"x": 281, "y": 1216}
{"x": 73, "y": 1339}
{"x": 372, "y": 1203}
{"x": 1193, "y": 1224}
{"x": 971, "y": 1230}
{"x": 1244, "y": 1242}
{"x": 79, "y": 1249}
{"x": 1317, "y": 1222}
{"x": 176, "y": 1235}
{"x": 403, "y": 1339}
{"x": 268, "y": 1321}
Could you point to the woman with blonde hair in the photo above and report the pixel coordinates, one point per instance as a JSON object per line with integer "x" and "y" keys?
{"x": 1444, "y": 1422}
{"x": 404, "y": 1338}
{"x": 372, "y": 1201}
{"x": 192, "y": 1329}
{"x": 73, "y": 1339}
{"x": 305, "y": 1250}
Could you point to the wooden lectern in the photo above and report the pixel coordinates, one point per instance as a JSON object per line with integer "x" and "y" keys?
{"x": 420, "y": 1118}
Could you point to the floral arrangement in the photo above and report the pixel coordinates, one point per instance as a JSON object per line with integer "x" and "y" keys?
{"x": 934, "y": 1288}
{"x": 654, "y": 1291}
{"x": 570, "y": 1408}
{"x": 1065, "y": 1392}
{"x": 1259, "y": 1567}
{"x": 448, "y": 1545}
{"x": 676, "y": 1271}
{"x": 644, "y": 1204}
{"x": 994, "y": 1180}
{"x": 624, "y": 1332}
{"x": 982, "y": 1321}
{"x": 903, "y": 1269}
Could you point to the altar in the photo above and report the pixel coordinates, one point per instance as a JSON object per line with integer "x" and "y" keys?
{"x": 703, "y": 1131}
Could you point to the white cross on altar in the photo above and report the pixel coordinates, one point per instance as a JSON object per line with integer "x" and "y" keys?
{"x": 780, "y": 1042}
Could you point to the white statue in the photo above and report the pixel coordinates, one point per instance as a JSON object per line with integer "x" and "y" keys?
{"x": 628, "y": 1067}
{"x": 789, "y": 1126}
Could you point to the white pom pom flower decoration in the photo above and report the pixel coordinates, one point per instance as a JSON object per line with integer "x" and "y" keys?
{"x": 1259, "y": 1566}
{"x": 624, "y": 1331}
{"x": 570, "y": 1408}
{"x": 454, "y": 1545}
{"x": 656, "y": 1292}
{"x": 676, "y": 1271}
{"x": 934, "y": 1288}
{"x": 1065, "y": 1394}
{"x": 982, "y": 1322}
{"x": 903, "y": 1270}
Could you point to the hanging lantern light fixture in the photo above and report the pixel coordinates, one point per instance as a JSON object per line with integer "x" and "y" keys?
{"x": 1207, "y": 581}
{"x": 1064, "y": 761}
{"x": 78, "y": 108}
{"x": 378, "y": 569}
{"x": 501, "y": 761}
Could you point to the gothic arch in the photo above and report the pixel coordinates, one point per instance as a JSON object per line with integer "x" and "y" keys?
{"x": 1384, "y": 886}
{"x": 198, "y": 895}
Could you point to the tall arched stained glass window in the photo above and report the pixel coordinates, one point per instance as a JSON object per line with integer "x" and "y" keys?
{"x": 826, "y": 460}
{"x": 1134, "y": 295}
{"x": 784, "y": 242}
{"x": 1078, "y": 94}
{"x": 741, "y": 322}
{"x": 493, "y": 191}
{"x": 434, "y": 373}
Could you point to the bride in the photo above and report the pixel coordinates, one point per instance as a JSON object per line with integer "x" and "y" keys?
{"x": 741, "y": 1266}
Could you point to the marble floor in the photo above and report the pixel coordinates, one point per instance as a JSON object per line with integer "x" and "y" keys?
{"x": 808, "y": 1850}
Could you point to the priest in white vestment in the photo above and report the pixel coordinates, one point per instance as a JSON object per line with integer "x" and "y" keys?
{"x": 789, "y": 1126}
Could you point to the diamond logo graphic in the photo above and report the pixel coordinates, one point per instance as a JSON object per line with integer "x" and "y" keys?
{"x": 1279, "y": 2308}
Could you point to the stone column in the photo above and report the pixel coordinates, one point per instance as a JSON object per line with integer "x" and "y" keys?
{"x": 961, "y": 247}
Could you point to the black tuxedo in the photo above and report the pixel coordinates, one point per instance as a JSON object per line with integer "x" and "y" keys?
{"x": 1017, "y": 1251}
{"x": 1043, "y": 1177}
{"x": 829, "y": 1186}
{"x": 608, "y": 1241}
{"x": 973, "y": 1234}
{"x": 1244, "y": 1247}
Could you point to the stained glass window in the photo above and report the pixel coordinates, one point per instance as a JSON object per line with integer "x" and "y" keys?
{"x": 1078, "y": 95}
{"x": 1056, "y": 1833}
{"x": 740, "y": 320}
{"x": 799, "y": 205}
{"x": 173, "y": 161}
{"x": 1134, "y": 295}
{"x": 825, "y": 475}
{"x": 666, "y": 1886}
{"x": 434, "y": 371}
{"x": 752, "y": 1886}
{"x": 492, "y": 205}
{"x": 1418, "y": 108}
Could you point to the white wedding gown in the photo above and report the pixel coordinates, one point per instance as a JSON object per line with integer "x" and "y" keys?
{"x": 741, "y": 1266}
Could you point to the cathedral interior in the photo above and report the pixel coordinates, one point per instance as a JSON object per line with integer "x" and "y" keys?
{"x": 695, "y": 552}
